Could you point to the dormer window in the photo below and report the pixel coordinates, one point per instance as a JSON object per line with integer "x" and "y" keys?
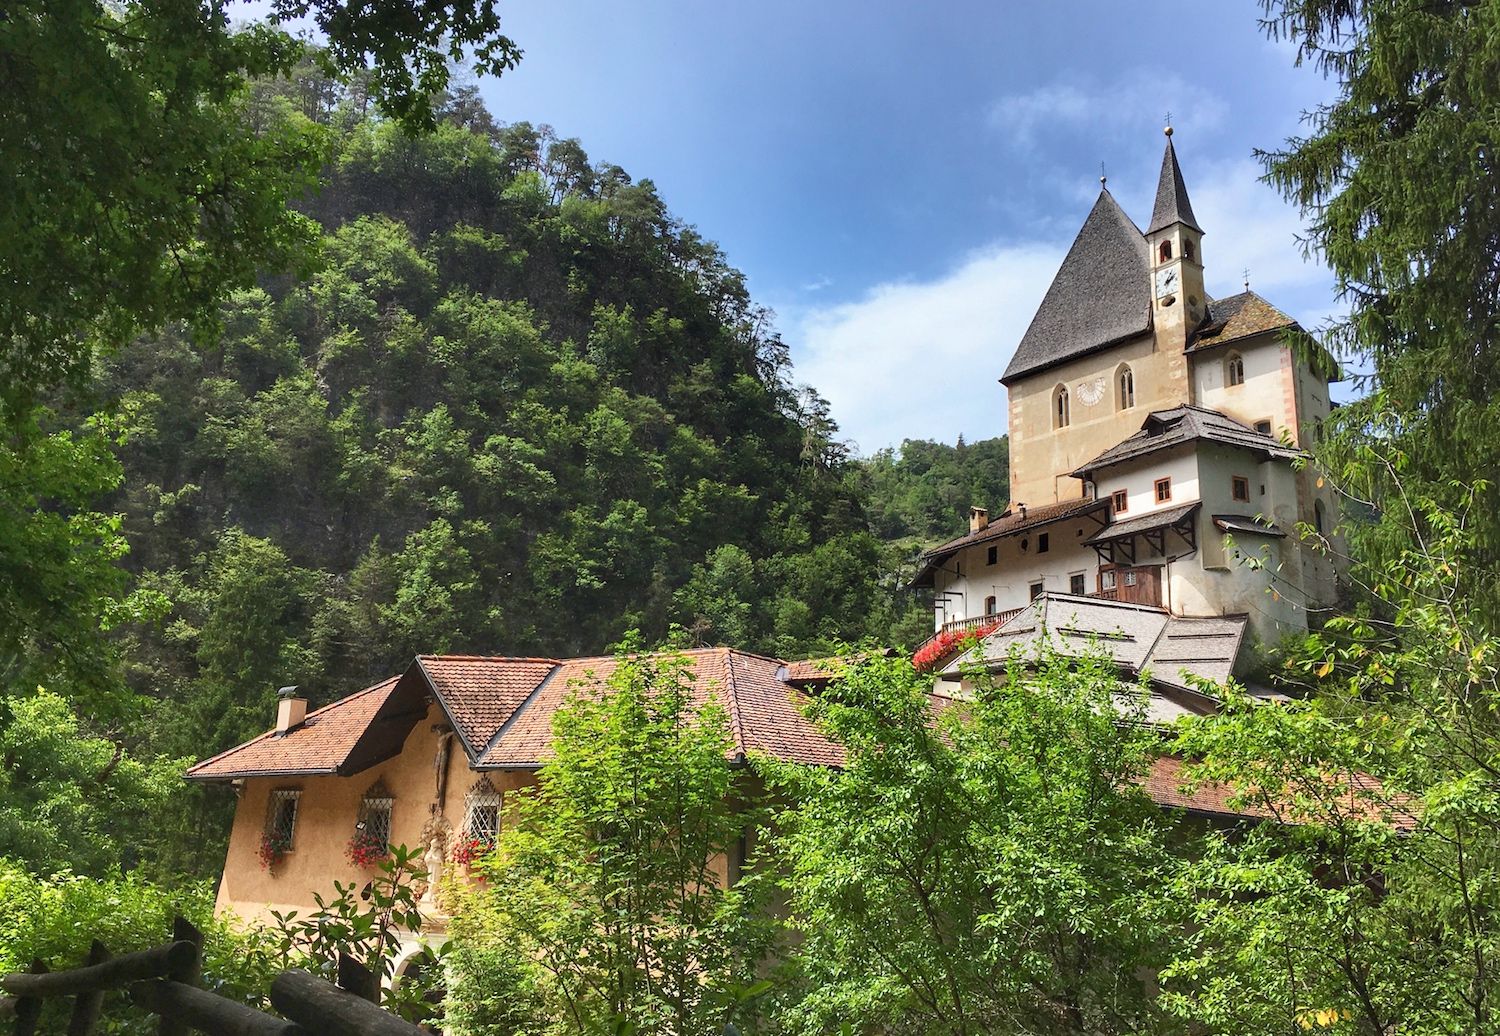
{"x": 1165, "y": 251}
{"x": 1234, "y": 370}
{"x": 1060, "y": 410}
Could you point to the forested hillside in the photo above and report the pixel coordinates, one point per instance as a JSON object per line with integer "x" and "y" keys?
{"x": 520, "y": 408}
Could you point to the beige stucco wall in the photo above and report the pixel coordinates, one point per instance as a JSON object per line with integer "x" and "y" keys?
{"x": 326, "y": 814}
{"x": 961, "y": 596}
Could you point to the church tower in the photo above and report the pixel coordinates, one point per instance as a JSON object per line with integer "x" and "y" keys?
{"x": 1178, "y": 301}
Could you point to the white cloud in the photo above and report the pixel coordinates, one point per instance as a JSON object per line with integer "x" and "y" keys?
{"x": 922, "y": 359}
{"x": 1110, "y": 110}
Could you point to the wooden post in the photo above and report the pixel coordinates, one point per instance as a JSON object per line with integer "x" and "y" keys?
{"x": 29, "y": 1008}
{"x": 115, "y": 971}
{"x": 325, "y": 1009}
{"x": 186, "y": 972}
{"x": 358, "y": 979}
{"x": 86, "y": 1007}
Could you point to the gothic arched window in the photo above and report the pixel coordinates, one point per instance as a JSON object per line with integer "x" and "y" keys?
{"x": 1234, "y": 369}
{"x": 1060, "y": 411}
{"x": 1165, "y": 251}
{"x": 1125, "y": 382}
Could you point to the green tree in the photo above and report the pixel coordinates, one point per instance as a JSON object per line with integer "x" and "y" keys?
{"x": 983, "y": 866}
{"x": 607, "y": 889}
{"x": 1397, "y": 179}
{"x": 1369, "y": 904}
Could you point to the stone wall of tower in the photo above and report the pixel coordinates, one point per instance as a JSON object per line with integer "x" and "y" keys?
{"x": 1041, "y": 454}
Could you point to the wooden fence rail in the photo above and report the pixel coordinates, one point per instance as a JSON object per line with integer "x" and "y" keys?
{"x": 163, "y": 980}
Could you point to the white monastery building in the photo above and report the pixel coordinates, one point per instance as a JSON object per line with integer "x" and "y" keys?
{"x": 1156, "y": 448}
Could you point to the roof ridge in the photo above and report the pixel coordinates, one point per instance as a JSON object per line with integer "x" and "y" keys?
{"x": 490, "y": 658}
{"x": 516, "y": 712}
{"x": 736, "y": 720}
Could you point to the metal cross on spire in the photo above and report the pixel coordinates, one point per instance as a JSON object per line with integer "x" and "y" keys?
{"x": 1103, "y": 176}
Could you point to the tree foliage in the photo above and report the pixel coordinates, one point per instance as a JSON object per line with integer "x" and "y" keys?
{"x": 613, "y": 890}
{"x": 983, "y": 866}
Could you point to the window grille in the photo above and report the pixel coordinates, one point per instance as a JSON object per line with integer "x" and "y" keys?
{"x": 281, "y": 817}
{"x": 374, "y": 819}
{"x": 482, "y": 811}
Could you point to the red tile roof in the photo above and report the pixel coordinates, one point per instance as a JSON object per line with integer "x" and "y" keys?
{"x": 480, "y": 693}
{"x": 321, "y": 744}
{"x": 764, "y": 713}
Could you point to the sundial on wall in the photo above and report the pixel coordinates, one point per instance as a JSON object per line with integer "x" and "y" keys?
{"x": 1091, "y": 392}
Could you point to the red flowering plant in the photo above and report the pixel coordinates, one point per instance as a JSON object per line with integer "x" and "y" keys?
{"x": 272, "y": 849}
{"x": 470, "y": 848}
{"x": 366, "y": 849}
{"x": 932, "y": 653}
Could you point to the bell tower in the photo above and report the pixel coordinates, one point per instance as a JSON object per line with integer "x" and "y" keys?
{"x": 1178, "y": 301}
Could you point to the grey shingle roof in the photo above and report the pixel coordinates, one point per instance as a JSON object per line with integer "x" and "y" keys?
{"x": 1166, "y": 428}
{"x": 1100, "y": 294}
{"x": 1246, "y": 523}
{"x": 1172, "y": 205}
{"x": 1148, "y": 522}
{"x": 1136, "y": 635}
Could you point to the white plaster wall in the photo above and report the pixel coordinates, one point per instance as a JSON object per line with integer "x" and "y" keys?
{"x": 1009, "y": 579}
{"x": 1263, "y": 397}
{"x": 1138, "y": 479}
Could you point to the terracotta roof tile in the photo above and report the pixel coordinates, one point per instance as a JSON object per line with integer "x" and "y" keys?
{"x": 1238, "y": 316}
{"x": 481, "y": 693}
{"x": 321, "y": 744}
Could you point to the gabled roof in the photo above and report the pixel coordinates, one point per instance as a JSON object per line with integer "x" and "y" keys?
{"x": 344, "y": 738}
{"x": 1010, "y": 522}
{"x": 1099, "y": 296}
{"x": 1172, "y": 205}
{"x": 1237, "y": 317}
{"x": 1163, "y": 429}
{"x": 480, "y": 693}
{"x": 765, "y": 713}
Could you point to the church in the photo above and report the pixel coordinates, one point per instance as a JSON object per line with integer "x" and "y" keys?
{"x": 1157, "y": 454}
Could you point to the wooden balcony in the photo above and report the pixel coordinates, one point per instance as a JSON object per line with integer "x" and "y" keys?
{"x": 1132, "y": 586}
{"x": 996, "y": 619}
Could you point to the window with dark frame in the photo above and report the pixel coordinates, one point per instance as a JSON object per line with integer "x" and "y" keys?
{"x": 1263, "y": 427}
{"x": 374, "y": 819}
{"x": 1163, "y": 490}
{"x": 1041, "y": 543}
{"x": 1076, "y": 584}
{"x": 1119, "y": 501}
{"x": 989, "y": 606}
{"x": 1035, "y": 590}
{"x": 281, "y": 817}
{"x": 993, "y": 556}
{"x": 1240, "y": 488}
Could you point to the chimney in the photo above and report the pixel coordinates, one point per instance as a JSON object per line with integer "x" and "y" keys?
{"x": 291, "y": 709}
{"x": 979, "y": 518}
{"x": 1022, "y": 509}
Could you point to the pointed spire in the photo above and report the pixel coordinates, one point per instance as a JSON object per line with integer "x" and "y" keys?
{"x": 1172, "y": 205}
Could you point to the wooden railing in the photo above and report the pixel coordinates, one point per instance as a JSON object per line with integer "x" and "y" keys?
{"x": 162, "y": 981}
{"x": 994, "y": 619}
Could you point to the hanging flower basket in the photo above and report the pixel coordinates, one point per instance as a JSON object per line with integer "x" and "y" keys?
{"x": 272, "y": 849}
{"x": 366, "y": 850}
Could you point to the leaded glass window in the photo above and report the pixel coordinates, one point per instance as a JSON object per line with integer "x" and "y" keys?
{"x": 482, "y": 811}
{"x": 281, "y": 817}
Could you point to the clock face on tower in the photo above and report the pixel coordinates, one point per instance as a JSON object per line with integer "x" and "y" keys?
{"x": 1166, "y": 282}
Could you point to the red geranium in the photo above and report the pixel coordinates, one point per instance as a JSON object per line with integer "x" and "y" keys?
{"x": 272, "y": 849}
{"x": 470, "y": 849}
{"x": 946, "y": 643}
{"x": 366, "y": 849}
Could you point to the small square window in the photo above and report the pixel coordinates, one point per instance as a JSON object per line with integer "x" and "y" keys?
{"x": 1041, "y": 543}
{"x": 1240, "y": 488}
{"x": 1263, "y": 427}
{"x": 1119, "y": 501}
{"x": 1163, "y": 490}
{"x": 1076, "y": 584}
{"x": 993, "y": 556}
{"x": 1036, "y": 590}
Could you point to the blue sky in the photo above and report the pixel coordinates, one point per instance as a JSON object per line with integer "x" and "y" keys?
{"x": 899, "y": 181}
